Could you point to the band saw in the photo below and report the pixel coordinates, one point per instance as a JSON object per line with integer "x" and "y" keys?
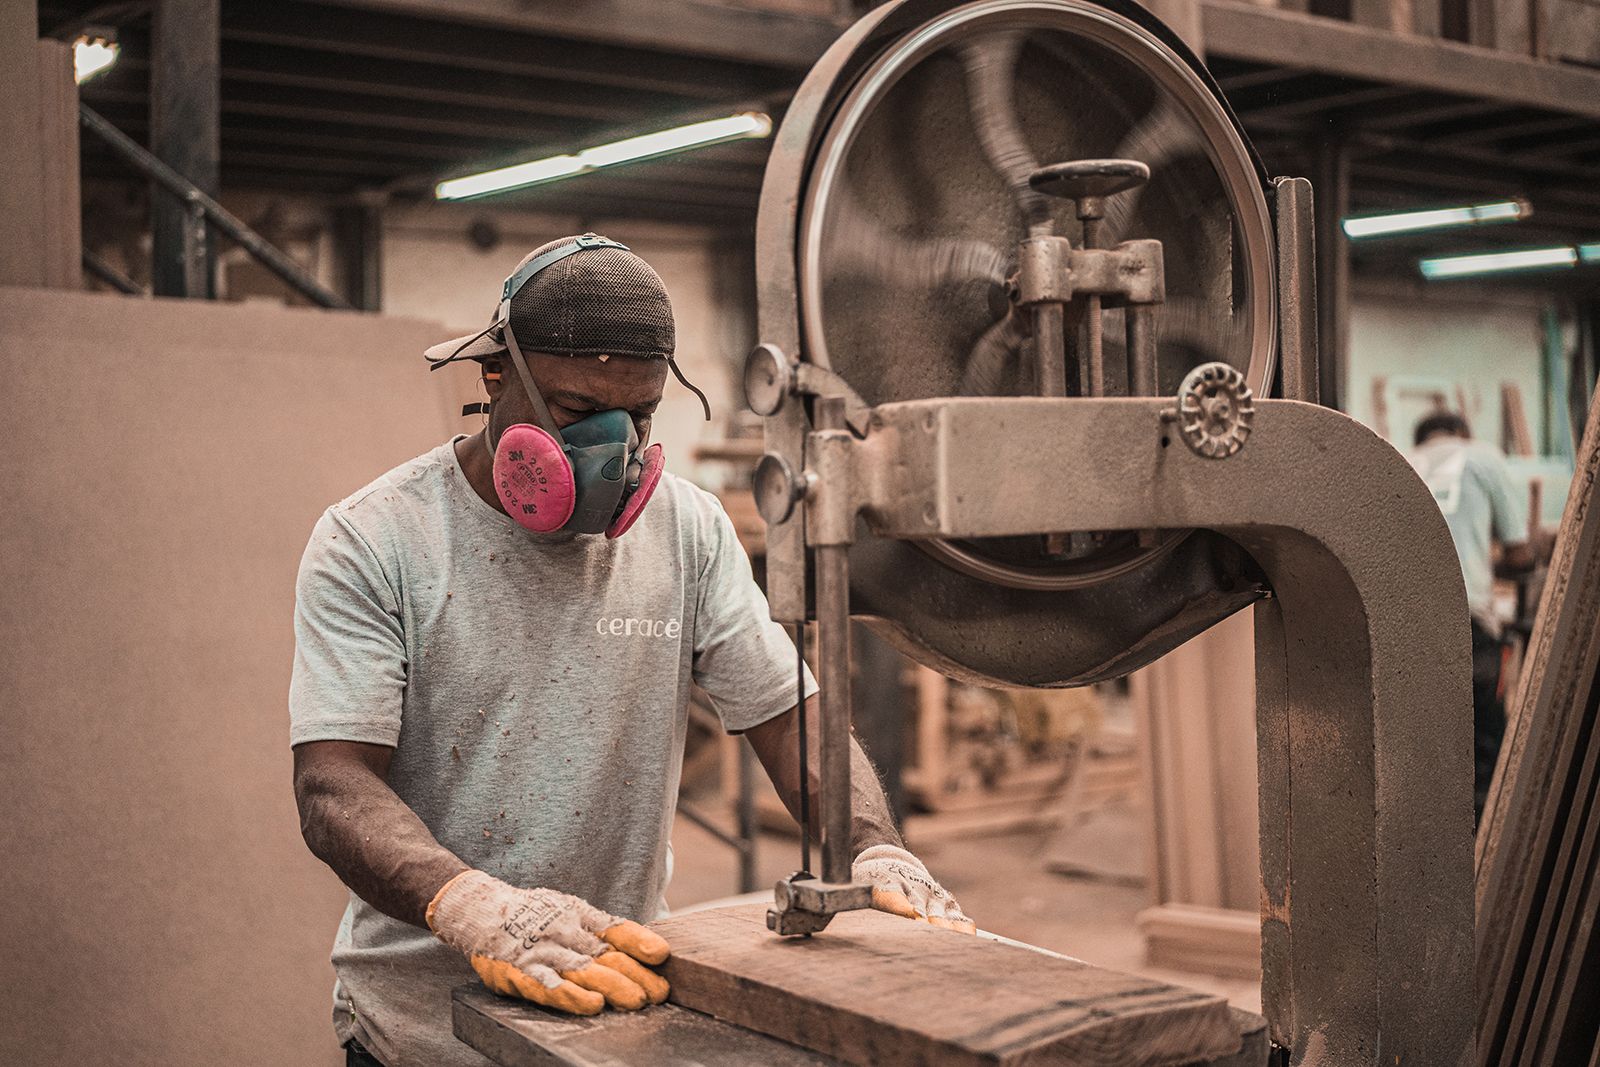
{"x": 1038, "y": 373}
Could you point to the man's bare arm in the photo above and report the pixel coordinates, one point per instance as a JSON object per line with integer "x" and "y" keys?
{"x": 354, "y": 822}
{"x": 776, "y": 742}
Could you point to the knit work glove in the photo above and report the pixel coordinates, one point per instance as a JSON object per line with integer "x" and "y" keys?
{"x": 901, "y": 885}
{"x": 548, "y": 947}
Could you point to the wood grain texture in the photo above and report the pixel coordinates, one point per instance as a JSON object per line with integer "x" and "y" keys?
{"x": 514, "y": 1033}
{"x": 1538, "y": 960}
{"x": 876, "y": 989}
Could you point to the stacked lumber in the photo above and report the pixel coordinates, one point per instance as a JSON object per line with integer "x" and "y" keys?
{"x": 1538, "y": 889}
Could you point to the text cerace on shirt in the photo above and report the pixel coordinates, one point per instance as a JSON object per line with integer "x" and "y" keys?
{"x": 624, "y": 627}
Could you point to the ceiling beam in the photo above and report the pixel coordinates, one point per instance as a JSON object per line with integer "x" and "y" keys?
{"x": 538, "y": 93}
{"x": 1252, "y": 79}
{"x": 1521, "y": 126}
{"x": 1316, "y": 104}
{"x": 1522, "y": 165}
{"x": 784, "y": 39}
{"x": 1328, "y": 46}
{"x": 1434, "y": 112}
{"x": 262, "y": 65}
{"x": 362, "y": 115}
{"x": 398, "y": 38}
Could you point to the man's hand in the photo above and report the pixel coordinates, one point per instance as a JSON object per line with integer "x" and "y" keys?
{"x": 901, "y": 885}
{"x": 548, "y": 947}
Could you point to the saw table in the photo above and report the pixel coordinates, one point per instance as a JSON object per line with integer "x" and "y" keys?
{"x": 1039, "y": 381}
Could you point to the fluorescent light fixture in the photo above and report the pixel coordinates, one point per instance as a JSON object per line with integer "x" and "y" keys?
{"x": 91, "y": 56}
{"x": 1436, "y": 219}
{"x": 1589, "y": 253}
{"x": 1500, "y": 262}
{"x": 677, "y": 139}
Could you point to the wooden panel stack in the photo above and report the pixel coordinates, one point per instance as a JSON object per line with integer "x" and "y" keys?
{"x": 1538, "y": 892}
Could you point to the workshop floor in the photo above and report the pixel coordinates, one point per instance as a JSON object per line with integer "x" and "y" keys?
{"x": 1001, "y": 882}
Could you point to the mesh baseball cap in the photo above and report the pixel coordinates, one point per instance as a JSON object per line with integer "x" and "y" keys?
{"x": 577, "y": 296}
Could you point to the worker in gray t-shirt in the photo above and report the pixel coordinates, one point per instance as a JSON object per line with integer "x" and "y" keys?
{"x": 495, "y": 644}
{"x": 1473, "y": 488}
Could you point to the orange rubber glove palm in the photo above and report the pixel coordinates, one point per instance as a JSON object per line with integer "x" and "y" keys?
{"x": 548, "y": 947}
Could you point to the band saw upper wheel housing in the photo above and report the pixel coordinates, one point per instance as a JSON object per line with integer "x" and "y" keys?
{"x": 892, "y": 210}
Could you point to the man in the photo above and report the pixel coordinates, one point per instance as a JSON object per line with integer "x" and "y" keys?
{"x": 495, "y": 644}
{"x": 1473, "y": 488}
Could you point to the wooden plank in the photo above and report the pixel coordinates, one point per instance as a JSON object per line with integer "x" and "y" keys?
{"x": 1574, "y": 938}
{"x": 1189, "y": 937}
{"x": 514, "y": 1033}
{"x": 876, "y": 989}
{"x": 1526, "y": 844}
{"x": 1516, "y": 439}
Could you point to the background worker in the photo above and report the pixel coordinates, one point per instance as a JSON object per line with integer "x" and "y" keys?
{"x": 491, "y": 679}
{"x": 1470, "y": 481}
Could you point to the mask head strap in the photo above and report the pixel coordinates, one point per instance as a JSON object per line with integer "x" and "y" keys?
{"x": 541, "y": 411}
{"x": 513, "y": 285}
{"x": 524, "y": 274}
{"x": 687, "y": 384}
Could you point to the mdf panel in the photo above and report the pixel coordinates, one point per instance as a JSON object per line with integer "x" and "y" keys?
{"x": 165, "y": 462}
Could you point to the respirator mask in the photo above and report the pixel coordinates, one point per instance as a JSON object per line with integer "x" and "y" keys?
{"x": 593, "y": 476}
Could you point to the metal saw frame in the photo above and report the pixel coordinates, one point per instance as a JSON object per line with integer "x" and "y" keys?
{"x": 1363, "y": 696}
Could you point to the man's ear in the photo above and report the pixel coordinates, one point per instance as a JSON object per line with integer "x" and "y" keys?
{"x": 491, "y": 374}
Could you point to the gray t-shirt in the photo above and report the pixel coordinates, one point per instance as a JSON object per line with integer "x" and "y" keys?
{"x": 535, "y": 691}
{"x": 1473, "y": 487}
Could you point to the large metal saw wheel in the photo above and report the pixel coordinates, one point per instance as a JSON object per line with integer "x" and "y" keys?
{"x": 893, "y": 207}
{"x": 917, "y": 198}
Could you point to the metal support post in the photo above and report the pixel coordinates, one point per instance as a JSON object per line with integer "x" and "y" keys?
{"x": 1050, "y": 349}
{"x": 833, "y": 663}
{"x": 1333, "y": 267}
{"x": 1297, "y": 288}
{"x": 1094, "y": 344}
{"x": 358, "y": 230}
{"x": 185, "y": 123}
{"x": 1141, "y": 351}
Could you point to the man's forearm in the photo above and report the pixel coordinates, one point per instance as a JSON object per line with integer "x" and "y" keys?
{"x": 353, "y": 822}
{"x": 777, "y": 744}
{"x": 870, "y": 820}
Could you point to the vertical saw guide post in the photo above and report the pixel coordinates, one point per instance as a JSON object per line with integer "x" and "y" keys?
{"x": 1058, "y": 528}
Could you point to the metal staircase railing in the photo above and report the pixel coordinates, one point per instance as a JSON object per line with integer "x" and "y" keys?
{"x": 204, "y": 212}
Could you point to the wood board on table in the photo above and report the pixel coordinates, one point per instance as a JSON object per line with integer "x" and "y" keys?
{"x": 515, "y": 1033}
{"x": 874, "y": 989}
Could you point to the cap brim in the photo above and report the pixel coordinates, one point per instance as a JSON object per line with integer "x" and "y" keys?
{"x": 480, "y": 345}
